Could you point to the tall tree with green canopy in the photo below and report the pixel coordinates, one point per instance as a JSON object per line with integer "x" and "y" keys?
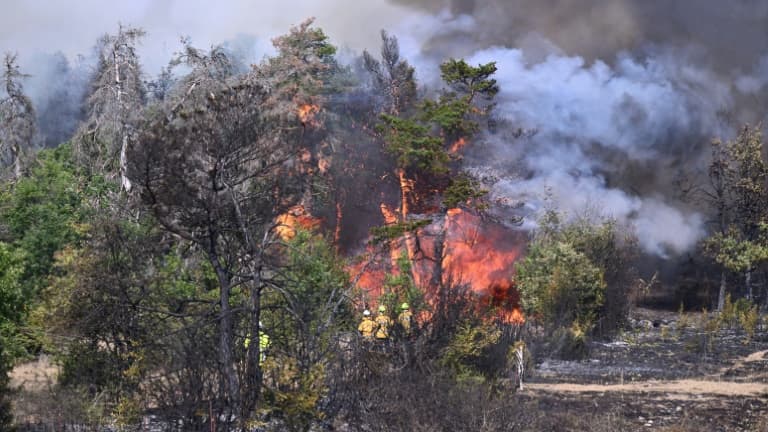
{"x": 422, "y": 144}
{"x": 738, "y": 191}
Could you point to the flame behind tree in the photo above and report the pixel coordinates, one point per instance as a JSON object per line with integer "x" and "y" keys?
{"x": 17, "y": 117}
{"x": 218, "y": 163}
{"x": 424, "y": 145}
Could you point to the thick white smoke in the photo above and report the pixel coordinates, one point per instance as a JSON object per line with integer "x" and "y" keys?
{"x": 587, "y": 117}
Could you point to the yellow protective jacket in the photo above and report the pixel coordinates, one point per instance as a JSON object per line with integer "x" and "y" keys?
{"x": 405, "y": 319}
{"x": 383, "y": 322}
{"x": 367, "y": 327}
{"x": 263, "y": 345}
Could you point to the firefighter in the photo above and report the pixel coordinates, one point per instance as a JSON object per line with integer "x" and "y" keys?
{"x": 367, "y": 326}
{"x": 264, "y": 343}
{"x": 405, "y": 318}
{"x": 383, "y": 322}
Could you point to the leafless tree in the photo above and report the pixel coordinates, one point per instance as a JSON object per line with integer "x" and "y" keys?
{"x": 116, "y": 98}
{"x": 17, "y": 116}
{"x": 393, "y": 78}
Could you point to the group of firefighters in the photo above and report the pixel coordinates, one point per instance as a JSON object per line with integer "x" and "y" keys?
{"x": 370, "y": 328}
{"x": 379, "y": 328}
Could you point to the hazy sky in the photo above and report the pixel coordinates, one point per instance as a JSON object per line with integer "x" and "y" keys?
{"x": 72, "y": 26}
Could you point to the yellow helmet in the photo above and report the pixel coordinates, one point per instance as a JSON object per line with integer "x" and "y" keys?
{"x": 382, "y": 308}
{"x": 404, "y": 306}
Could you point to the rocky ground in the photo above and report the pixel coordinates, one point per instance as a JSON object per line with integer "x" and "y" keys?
{"x": 663, "y": 375}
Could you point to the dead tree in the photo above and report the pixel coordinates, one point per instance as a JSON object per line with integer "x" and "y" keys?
{"x": 393, "y": 79}
{"x": 17, "y": 117}
{"x": 116, "y": 98}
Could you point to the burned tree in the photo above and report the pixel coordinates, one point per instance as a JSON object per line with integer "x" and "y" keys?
{"x": 393, "y": 79}
{"x": 426, "y": 147}
{"x": 17, "y": 117}
{"x": 117, "y": 96}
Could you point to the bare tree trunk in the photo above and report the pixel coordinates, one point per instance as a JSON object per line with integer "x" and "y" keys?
{"x": 17, "y": 163}
{"x": 721, "y": 294}
{"x": 231, "y": 385}
{"x": 124, "y": 163}
{"x": 406, "y": 188}
{"x": 253, "y": 368}
{"x": 748, "y": 281}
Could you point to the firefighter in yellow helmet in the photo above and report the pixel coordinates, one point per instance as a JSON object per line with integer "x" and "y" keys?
{"x": 367, "y": 325}
{"x": 383, "y": 322}
{"x": 405, "y": 319}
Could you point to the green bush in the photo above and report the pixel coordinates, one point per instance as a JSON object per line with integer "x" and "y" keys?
{"x": 560, "y": 285}
{"x": 467, "y": 354}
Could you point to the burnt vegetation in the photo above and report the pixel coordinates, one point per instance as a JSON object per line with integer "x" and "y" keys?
{"x": 199, "y": 253}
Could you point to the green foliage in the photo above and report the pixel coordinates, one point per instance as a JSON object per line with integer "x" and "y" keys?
{"x": 749, "y": 318}
{"x": 400, "y": 288}
{"x": 310, "y": 303}
{"x": 578, "y": 273}
{"x": 462, "y": 189}
{"x": 450, "y": 114}
{"x": 465, "y": 352}
{"x": 736, "y": 253}
{"x": 390, "y": 232}
{"x": 295, "y": 395}
{"x": 307, "y": 309}
{"x": 42, "y": 213}
{"x": 471, "y": 80}
{"x": 560, "y": 284}
{"x": 413, "y": 144}
{"x": 305, "y": 63}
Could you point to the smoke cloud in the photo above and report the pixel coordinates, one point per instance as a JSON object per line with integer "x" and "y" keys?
{"x": 624, "y": 95}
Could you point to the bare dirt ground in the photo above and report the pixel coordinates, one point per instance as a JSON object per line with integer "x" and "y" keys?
{"x": 657, "y": 376}
{"x": 34, "y": 376}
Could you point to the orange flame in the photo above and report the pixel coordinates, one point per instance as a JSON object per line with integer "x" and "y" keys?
{"x": 296, "y": 217}
{"x": 307, "y": 113}
{"x": 458, "y": 146}
{"x": 476, "y": 253}
{"x": 390, "y": 216}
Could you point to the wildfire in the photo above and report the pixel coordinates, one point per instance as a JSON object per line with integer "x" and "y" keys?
{"x": 458, "y": 145}
{"x": 296, "y": 217}
{"x": 477, "y": 253}
{"x": 390, "y": 216}
{"x": 307, "y": 113}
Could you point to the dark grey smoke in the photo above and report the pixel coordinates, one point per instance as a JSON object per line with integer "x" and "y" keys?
{"x": 730, "y": 34}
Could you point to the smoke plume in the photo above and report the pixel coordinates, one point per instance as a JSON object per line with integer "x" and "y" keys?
{"x": 622, "y": 95}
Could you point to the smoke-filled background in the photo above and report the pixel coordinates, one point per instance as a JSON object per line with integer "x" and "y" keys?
{"x": 616, "y": 99}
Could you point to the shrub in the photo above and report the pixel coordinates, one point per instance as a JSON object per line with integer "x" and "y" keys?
{"x": 560, "y": 285}
{"x": 749, "y": 317}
